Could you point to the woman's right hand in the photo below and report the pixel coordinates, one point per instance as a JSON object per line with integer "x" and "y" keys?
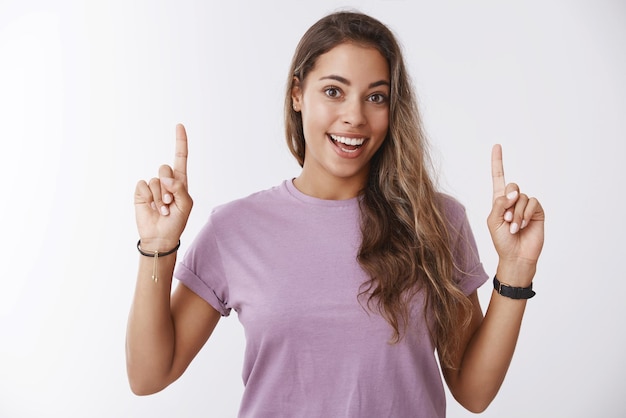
{"x": 163, "y": 205}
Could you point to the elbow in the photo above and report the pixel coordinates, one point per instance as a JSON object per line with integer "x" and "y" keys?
{"x": 476, "y": 409}
{"x": 143, "y": 382}
{"x": 138, "y": 386}
{"x": 143, "y": 387}
{"x": 475, "y": 405}
{"x": 474, "y": 401}
{"x": 140, "y": 390}
{"x": 145, "y": 378}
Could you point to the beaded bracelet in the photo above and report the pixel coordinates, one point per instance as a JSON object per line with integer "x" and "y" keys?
{"x": 156, "y": 254}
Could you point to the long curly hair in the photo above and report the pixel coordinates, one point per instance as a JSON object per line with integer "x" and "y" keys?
{"x": 406, "y": 244}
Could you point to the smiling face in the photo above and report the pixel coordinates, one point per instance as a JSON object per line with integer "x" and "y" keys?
{"x": 344, "y": 104}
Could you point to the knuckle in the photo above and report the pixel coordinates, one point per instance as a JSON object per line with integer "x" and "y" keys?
{"x": 142, "y": 188}
{"x": 165, "y": 171}
{"x": 511, "y": 187}
{"x": 155, "y": 189}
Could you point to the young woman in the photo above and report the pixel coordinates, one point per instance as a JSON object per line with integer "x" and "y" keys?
{"x": 349, "y": 278}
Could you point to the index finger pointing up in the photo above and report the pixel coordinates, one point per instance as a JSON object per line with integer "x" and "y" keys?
{"x": 180, "y": 157}
{"x": 497, "y": 171}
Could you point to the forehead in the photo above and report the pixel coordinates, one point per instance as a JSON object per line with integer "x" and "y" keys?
{"x": 350, "y": 60}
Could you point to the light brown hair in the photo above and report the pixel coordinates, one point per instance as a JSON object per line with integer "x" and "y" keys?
{"x": 406, "y": 245}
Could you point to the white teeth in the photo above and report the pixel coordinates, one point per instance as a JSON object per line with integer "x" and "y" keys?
{"x": 348, "y": 141}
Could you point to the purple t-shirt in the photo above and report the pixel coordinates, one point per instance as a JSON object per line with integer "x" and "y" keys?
{"x": 286, "y": 263}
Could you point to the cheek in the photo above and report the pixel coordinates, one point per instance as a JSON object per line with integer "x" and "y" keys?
{"x": 380, "y": 122}
{"x": 316, "y": 116}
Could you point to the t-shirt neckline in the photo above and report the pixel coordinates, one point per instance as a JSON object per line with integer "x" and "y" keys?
{"x": 297, "y": 194}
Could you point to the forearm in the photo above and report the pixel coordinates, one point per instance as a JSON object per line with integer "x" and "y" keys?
{"x": 150, "y": 338}
{"x": 490, "y": 351}
{"x": 488, "y": 355}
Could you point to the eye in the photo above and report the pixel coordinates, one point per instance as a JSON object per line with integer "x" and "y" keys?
{"x": 377, "y": 98}
{"x": 332, "y": 92}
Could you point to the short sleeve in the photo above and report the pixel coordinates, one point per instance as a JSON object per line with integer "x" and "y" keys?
{"x": 201, "y": 270}
{"x": 469, "y": 271}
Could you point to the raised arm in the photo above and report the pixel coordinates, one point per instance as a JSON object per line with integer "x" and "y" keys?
{"x": 516, "y": 224}
{"x": 164, "y": 333}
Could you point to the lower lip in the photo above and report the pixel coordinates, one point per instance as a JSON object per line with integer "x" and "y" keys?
{"x": 346, "y": 154}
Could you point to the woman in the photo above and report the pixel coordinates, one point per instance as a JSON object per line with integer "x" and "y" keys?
{"x": 348, "y": 278}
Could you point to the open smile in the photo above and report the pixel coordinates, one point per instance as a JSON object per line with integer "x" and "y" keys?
{"x": 347, "y": 144}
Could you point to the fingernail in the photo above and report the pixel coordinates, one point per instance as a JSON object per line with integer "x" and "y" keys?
{"x": 508, "y": 216}
{"x": 153, "y": 206}
{"x": 514, "y": 228}
{"x": 524, "y": 223}
{"x": 512, "y": 195}
{"x": 167, "y": 198}
{"x": 165, "y": 210}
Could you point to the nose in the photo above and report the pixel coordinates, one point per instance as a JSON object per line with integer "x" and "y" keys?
{"x": 353, "y": 113}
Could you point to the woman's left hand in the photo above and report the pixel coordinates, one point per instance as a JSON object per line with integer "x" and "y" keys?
{"x": 516, "y": 224}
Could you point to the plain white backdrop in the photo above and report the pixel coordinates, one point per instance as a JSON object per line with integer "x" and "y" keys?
{"x": 90, "y": 93}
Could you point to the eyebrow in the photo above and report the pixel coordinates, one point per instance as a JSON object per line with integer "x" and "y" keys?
{"x": 347, "y": 82}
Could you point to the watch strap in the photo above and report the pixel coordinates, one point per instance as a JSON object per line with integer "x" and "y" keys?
{"x": 513, "y": 292}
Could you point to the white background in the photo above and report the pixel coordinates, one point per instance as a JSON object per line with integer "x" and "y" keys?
{"x": 89, "y": 97}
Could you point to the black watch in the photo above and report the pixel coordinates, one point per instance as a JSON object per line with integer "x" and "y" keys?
{"x": 513, "y": 292}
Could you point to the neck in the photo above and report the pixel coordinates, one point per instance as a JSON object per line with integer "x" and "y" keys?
{"x": 328, "y": 188}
